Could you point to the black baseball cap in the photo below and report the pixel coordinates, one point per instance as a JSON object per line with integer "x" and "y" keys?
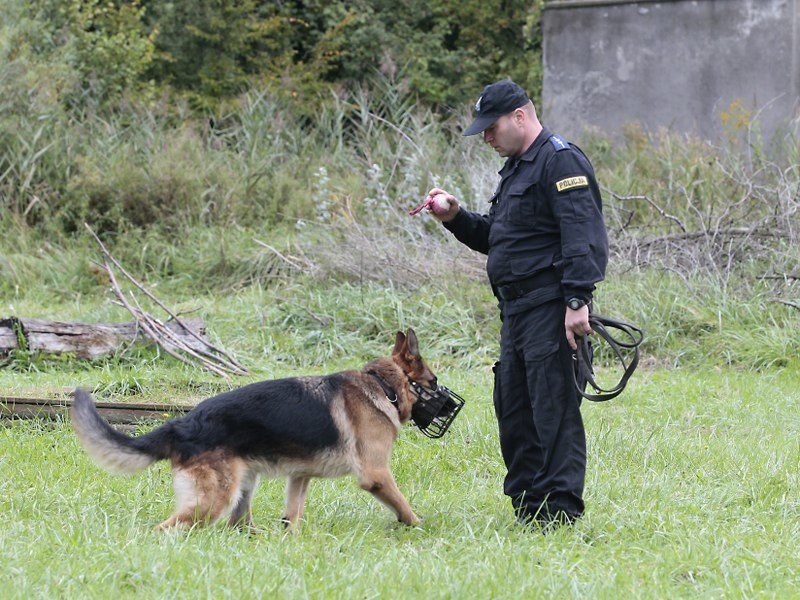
{"x": 496, "y": 99}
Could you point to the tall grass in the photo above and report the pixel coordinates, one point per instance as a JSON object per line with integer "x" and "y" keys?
{"x": 726, "y": 214}
{"x": 156, "y": 167}
{"x": 337, "y": 188}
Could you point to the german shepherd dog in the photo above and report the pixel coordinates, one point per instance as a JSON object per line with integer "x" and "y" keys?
{"x": 299, "y": 427}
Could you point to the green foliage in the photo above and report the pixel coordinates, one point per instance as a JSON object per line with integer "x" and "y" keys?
{"x": 143, "y": 179}
{"x": 103, "y": 40}
{"x": 725, "y": 214}
{"x": 444, "y": 51}
{"x": 85, "y": 136}
{"x": 32, "y": 158}
{"x": 112, "y": 51}
{"x": 214, "y": 50}
{"x": 155, "y": 168}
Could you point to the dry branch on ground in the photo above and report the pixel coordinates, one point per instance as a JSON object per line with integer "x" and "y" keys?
{"x": 198, "y": 351}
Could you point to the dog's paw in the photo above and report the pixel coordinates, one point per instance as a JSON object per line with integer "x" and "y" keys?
{"x": 289, "y": 525}
{"x": 252, "y": 530}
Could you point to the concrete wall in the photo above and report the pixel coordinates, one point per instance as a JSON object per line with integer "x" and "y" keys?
{"x": 679, "y": 64}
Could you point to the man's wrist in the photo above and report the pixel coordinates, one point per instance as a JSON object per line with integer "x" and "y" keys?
{"x": 452, "y": 219}
{"x": 577, "y": 298}
{"x": 576, "y": 302}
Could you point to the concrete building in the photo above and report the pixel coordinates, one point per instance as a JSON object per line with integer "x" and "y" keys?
{"x": 710, "y": 67}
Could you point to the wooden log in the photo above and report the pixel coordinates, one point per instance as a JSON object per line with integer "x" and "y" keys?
{"x": 86, "y": 340}
{"x": 113, "y": 412}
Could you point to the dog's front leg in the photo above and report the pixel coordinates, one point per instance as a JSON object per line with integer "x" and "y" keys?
{"x": 381, "y": 484}
{"x": 296, "y": 489}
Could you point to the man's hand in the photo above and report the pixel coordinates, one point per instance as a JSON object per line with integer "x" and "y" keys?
{"x": 576, "y": 323}
{"x": 441, "y": 204}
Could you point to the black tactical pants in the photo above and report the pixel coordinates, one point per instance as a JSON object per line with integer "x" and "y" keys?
{"x": 538, "y": 411}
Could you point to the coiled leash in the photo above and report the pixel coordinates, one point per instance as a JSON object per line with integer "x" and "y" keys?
{"x": 583, "y": 373}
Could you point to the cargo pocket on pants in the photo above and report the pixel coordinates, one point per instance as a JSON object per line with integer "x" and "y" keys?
{"x": 545, "y": 381}
{"x": 496, "y": 391}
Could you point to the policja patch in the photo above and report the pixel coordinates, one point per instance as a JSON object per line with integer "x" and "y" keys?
{"x": 572, "y": 182}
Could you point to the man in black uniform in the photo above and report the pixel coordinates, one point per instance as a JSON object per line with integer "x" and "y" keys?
{"x": 547, "y": 248}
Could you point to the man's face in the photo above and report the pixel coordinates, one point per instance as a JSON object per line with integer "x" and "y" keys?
{"x": 505, "y": 135}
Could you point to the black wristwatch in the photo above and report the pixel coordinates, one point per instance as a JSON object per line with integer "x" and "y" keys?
{"x": 575, "y": 303}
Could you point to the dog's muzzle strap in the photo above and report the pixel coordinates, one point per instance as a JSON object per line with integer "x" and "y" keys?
{"x": 583, "y": 372}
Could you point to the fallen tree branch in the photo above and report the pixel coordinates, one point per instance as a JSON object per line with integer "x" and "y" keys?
{"x": 292, "y": 263}
{"x": 172, "y": 347}
{"x": 158, "y": 302}
{"x": 786, "y": 302}
{"x": 711, "y": 234}
{"x": 647, "y": 199}
{"x": 197, "y": 352}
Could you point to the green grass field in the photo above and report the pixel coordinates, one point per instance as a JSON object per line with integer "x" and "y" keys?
{"x": 692, "y": 486}
{"x": 691, "y": 492}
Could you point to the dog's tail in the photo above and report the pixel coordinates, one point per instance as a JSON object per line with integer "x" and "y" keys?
{"x": 111, "y": 449}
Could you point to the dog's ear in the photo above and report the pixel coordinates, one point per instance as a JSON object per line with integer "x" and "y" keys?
{"x": 413, "y": 346}
{"x": 399, "y": 342}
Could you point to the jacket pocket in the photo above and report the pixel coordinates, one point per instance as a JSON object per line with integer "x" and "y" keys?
{"x": 521, "y": 199}
{"x": 527, "y": 265}
{"x": 576, "y": 249}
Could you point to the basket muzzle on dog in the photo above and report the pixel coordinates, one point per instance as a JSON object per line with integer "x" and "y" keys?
{"x": 434, "y": 410}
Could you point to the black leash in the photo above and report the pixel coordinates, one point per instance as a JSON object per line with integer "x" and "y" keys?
{"x": 583, "y": 373}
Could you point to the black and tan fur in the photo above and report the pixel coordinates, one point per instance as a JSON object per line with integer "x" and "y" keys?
{"x": 300, "y": 427}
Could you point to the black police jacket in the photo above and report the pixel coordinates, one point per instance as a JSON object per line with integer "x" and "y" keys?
{"x": 546, "y": 212}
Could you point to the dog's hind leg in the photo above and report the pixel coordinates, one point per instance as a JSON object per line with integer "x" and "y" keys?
{"x": 206, "y": 488}
{"x": 241, "y": 515}
{"x": 296, "y": 489}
